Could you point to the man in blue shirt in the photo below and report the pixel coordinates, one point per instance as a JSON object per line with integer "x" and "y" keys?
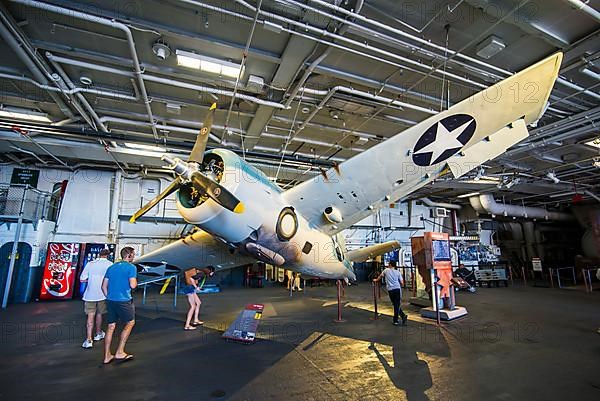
{"x": 119, "y": 280}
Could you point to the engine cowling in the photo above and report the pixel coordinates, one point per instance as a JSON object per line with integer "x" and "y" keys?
{"x": 260, "y": 196}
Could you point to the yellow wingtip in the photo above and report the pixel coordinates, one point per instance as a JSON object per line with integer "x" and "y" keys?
{"x": 213, "y": 106}
{"x": 132, "y": 219}
{"x": 239, "y": 208}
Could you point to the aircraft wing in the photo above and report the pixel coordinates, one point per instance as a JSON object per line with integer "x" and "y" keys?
{"x": 369, "y": 252}
{"x": 459, "y": 139}
{"x": 199, "y": 249}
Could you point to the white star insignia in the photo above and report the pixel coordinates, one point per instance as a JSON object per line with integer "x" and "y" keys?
{"x": 444, "y": 140}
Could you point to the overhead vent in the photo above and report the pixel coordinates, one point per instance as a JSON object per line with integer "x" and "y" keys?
{"x": 490, "y": 46}
{"x": 350, "y": 107}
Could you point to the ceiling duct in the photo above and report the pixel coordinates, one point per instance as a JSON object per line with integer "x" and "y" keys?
{"x": 431, "y": 203}
{"x": 488, "y": 204}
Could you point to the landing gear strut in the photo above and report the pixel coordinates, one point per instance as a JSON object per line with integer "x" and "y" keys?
{"x": 339, "y": 302}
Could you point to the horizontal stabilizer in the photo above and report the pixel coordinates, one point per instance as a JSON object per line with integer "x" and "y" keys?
{"x": 369, "y": 252}
{"x": 494, "y": 146}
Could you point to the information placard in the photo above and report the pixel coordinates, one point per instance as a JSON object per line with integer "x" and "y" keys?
{"x": 244, "y": 327}
{"x": 25, "y": 176}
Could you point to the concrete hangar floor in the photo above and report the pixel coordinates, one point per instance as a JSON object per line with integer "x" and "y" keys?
{"x": 517, "y": 343}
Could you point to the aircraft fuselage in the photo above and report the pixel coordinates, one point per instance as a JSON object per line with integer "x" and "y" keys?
{"x": 270, "y": 230}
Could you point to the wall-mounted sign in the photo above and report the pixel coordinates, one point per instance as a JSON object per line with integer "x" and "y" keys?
{"x": 25, "y": 176}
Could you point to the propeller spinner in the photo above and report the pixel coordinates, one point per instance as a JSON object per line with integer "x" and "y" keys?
{"x": 189, "y": 172}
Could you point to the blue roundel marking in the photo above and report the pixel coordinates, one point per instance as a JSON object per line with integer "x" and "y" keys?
{"x": 443, "y": 139}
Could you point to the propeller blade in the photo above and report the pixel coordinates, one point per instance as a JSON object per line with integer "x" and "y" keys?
{"x": 174, "y": 186}
{"x": 217, "y": 193}
{"x": 200, "y": 146}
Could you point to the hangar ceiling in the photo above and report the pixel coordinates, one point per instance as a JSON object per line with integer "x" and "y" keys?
{"x": 321, "y": 82}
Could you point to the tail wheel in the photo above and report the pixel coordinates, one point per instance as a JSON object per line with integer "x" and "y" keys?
{"x": 287, "y": 224}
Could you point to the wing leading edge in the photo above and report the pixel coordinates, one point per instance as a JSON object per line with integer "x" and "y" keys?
{"x": 469, "y": 133}
{"x": 199, "y": 249}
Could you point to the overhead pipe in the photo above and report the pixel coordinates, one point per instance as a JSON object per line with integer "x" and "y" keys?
{"x": 31, "y": 66}
{"x": 318, "y": 60}
{"x": 244, "y": 17}
{"x": 490, "y": 206}
{"x": 306, "y": 26}
{"x": 355, "y": 92}
{"x": 593, "y": 195}
{"x": 30, "y": 139}
{"x": 407, "y": 35}
{"x": 578, "y": 88}
{"x": 113, "y": 24}
{"x": 81, "y": 98}
{"x": 191, "y": 131}
{"x": 99, "y": 92}
{"x": 167, "y": 81}
{"x": 244, "y": 58}
{"x": 431, "y": 203}
{"x": 325, "y": 33}
{"x": 89, "y": 107}
{"x": 29, "y": 153}
{"x": 453, "y": 53}
{"x": 329, "y": 94}
{"x": 580, "y": 5}
{"x": 358, "y": 16}
{"x": 590, "y": 126}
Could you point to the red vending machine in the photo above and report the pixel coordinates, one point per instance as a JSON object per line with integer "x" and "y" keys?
{"x": 60, "y": 270}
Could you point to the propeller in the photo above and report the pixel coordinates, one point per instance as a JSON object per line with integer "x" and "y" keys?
{"x": 174, "y": 186}
{"x": 188, "y": 172}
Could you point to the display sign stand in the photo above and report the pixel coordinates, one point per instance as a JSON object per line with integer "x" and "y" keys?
{"x": 245, "y": 326}
{"x": 431, "y": 253}
{"x": 536, "y": 263}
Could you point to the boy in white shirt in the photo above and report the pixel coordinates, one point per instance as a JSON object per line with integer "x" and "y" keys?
{"x": 93, "y": 297}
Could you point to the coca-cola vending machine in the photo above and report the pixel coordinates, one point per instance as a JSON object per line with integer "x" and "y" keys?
{"x": 89, "y": 252}
{"x": 60, "y": 270}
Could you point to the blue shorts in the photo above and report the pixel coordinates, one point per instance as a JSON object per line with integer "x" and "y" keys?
{"x": 188, "y": 290}
{"x": 120, "y": 310}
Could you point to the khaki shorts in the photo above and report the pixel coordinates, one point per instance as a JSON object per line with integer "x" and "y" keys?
{"x": 94, "y": 307}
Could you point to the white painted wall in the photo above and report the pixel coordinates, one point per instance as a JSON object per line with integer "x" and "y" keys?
{"x": 86, "y": 214}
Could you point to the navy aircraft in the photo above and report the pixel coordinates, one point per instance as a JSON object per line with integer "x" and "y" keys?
{"x": 242, "y": 216}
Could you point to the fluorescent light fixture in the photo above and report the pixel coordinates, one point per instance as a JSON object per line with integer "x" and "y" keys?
{"x": 468, "y": 195}
{"x": 23, "y": 114}
{"x": 141, "y": 146}
{"x": 136, "y": 152}
{"x": 208, "y": 64}
{"x": 594, "y": 143}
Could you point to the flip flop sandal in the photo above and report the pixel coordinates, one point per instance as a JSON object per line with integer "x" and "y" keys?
{"x": 189, "y": 328}
{"x": 122, "y": 360}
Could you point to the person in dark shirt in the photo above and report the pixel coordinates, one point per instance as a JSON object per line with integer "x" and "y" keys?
{"x": 193, "y": 277}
